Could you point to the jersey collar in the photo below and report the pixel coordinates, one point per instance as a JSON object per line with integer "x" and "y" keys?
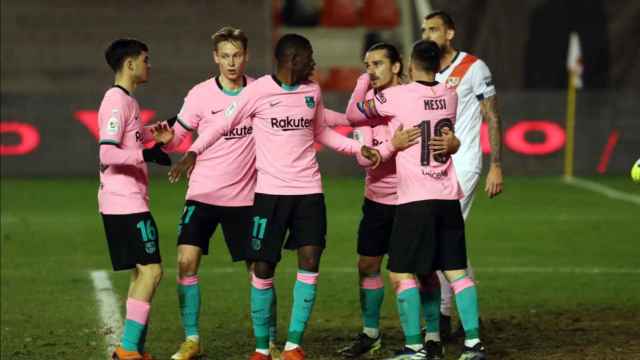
{"x": 231, "y": 92}
{"x": 455, "y": 57}
{"x": 428, "y": 83}
{"x": 284, "y": 86}
{"x": 123, "y": 89}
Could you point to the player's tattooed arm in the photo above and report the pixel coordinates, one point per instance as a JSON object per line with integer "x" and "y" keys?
{"x": 489, "y": 110}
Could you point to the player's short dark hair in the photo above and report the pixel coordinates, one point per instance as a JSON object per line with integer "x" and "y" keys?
{"x": 445, "y": 17}
{"x": 426, "y": 55}
{"x": 232, "y": 34}
{"x": 291, "y": 44}
{"x": 391, "y": 52}
{"x": 122, "y": 49}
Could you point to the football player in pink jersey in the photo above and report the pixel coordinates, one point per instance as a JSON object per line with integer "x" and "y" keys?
{"x": 472, "y": 80}
{"x": 287, "y": 113}
{"x": 428, "y": 231}
{"x": 123, "y": 197}
{"x": 222, "y": 184}
{"x": 384, "y": 69}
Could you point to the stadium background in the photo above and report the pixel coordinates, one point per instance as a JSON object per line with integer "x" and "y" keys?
{"x": 557, "y": 264}
{"x": 54, "y": 75}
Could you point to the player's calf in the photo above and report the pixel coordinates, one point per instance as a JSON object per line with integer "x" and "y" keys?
{"x": 148, "y": 279}
{"x": 408, "y": 303}
{"x": 467, "y": 303}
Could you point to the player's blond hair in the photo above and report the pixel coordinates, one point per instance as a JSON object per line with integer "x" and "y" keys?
{"x": 231, "y": 34}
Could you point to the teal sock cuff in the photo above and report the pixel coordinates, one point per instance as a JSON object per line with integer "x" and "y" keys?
{"x": 304, "y": 297}
{"x": 467, "y": 303}
{"x": 408, "y": 302}
{"x": 189, "y": 297}
{"x": 262, "y": 342}
{"x": 131, "y": 335}
{"x": 471, "y": 334}
{"x": 295, "y": 337}
{"x": 261, "y": 305}
{"x": 413, "y": 339}
{"x": 370, "y": 304}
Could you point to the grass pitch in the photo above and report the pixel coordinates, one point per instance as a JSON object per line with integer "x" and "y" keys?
{"x": 557, "y": 268}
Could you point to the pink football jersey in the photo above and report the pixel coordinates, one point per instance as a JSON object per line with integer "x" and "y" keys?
{"x": 380, "y": 183}
{"x": 224, "y": 174}
{"x": 430, "y": 107}
{"x": 286, "y": 122}
{"x": 123, "y": 172}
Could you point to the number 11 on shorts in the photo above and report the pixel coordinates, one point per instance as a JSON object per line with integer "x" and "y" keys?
{"x": 259, "y": 226}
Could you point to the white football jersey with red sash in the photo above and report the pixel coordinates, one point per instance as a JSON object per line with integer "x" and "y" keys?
{"x": 472, "y": 80}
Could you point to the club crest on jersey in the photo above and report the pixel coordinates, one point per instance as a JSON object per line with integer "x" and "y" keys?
{"x": 357, "y": 136}
{"x": 452, "y": 82}
{"x": 231, "y": 109}
{"x": 381, "y": 98}
{"x": 113, "y": 125}
{"x": 310, "y": 101}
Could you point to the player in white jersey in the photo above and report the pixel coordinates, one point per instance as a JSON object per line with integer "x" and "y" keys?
{"x": 472, "y": 80}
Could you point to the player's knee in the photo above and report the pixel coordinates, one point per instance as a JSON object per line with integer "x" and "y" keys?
{"x": 394, "y": 277}
{"x": 369, "y": 265}
{"x": 151, "y": 272}
{"x": 187, "y": 265}
{"x": 397, "y": 279}
{"x": 309, "y": 258}
{"x": 263, "y": 270}
{"x": 453, "y": 275}
{"x": 309, "y": 263}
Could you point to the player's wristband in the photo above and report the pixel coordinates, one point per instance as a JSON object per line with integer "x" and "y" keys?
{"x": 172, "y": 120}
{"x": 156, "y": 155}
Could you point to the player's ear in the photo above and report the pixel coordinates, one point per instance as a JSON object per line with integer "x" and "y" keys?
{"x": 214, "y": 54}
{"x": 395, "y": 68}
{"x": 450, "y": 34}
{"x": 129, "y": 64}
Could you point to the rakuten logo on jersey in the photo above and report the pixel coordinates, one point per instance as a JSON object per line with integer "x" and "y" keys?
{"x": 290, "y": 124}
{"x": 435, "y": 174}
{"x": 238, "y": 133}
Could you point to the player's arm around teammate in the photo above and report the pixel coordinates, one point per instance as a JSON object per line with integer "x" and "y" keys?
{"x": 383, "y": 69}
{"x": 221, "y": 187}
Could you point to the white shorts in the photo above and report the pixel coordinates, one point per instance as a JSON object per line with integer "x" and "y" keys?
{"x": 468, "y": 181}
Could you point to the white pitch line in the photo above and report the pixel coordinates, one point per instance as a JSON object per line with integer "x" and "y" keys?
{"x": 604, "y": 190}
{"x": 504, "y": 270}
{"x": 109, "y": 309}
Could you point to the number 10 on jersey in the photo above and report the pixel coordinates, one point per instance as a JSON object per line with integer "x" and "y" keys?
{"x": 425, "y": 137}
